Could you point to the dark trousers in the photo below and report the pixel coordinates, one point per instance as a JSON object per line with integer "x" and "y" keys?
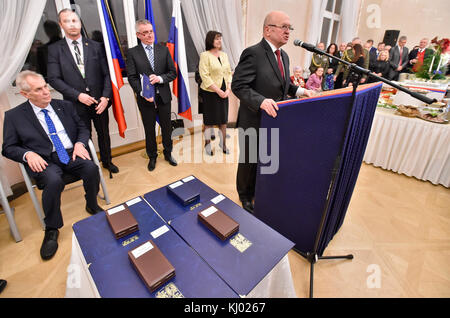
{"x": 246, "y": 173}
{"x": 101, "y": 124}
{"x": 52, "y": 183}
{"x": 148, "y": 114}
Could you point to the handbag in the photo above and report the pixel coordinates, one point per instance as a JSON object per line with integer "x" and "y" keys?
{"x": 177, "y": 123}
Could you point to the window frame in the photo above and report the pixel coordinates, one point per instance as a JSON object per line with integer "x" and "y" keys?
{"x": 332, "y": 16}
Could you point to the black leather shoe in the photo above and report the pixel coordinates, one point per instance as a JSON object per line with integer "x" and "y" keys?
{"x": 171, "y": 160}
{"x": 50, "y": 244}
{"x": 94, "y": 210}
{"x": 248, "y": 206}
{"x": 151, "y": 164}
{"x": 2, "y": 284}
{"x": 111, "y": 167}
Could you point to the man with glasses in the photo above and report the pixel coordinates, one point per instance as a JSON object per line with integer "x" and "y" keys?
{"x": 152, "y": 60}
{"x": 261, "y": 79}
{"x": 77, "y": 68}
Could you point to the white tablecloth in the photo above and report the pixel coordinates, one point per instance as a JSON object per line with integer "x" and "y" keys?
{"x": 411, "y": 146}
{"x": 277, "y": 284}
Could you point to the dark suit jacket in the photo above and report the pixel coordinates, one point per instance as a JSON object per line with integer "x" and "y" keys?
{"x": 394, "y": 59}
{"x": 138, "y": 63}
{"x": 413, "y": 54}
{"x": 64, "y": 76}
{"x": 256, "y": 78}
{"x": 22, "y": 131}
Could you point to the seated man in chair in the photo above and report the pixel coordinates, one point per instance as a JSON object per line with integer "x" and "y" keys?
{"x": 49, "y": 138}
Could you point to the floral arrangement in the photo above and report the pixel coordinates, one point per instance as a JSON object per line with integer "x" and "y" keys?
{"x": 434, "y": 66}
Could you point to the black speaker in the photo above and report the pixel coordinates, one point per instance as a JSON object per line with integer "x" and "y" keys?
{"x": 391, "y": 37}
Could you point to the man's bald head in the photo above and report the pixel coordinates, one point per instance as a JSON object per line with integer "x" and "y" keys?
{"x": 277, "y": 27}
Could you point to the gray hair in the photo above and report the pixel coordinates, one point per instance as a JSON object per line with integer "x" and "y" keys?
{"x": 141, "y": 22}
{"x": 297, "y": 68}
{"x": 21, "y": 79}
{"x": 403, "y": 38}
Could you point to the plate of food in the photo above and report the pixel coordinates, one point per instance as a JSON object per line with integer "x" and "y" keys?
{"x": 433, "y": 117}
{"x": 408, "y": 110}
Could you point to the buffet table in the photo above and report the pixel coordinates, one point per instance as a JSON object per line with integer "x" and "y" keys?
{"x": 411, "y": 146}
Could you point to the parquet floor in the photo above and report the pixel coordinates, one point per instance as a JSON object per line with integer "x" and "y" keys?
{"x": 397, "y": 228}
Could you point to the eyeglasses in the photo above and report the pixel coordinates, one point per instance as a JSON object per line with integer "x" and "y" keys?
{"x": 284, "y": 27}
{"x": 145, "y": 33}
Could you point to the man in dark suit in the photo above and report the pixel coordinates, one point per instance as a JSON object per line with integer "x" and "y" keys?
{"x": 77, "y": 68}
{"x": 398, "y": 59}
{"x": 153, "y": 60}
{"x": 260, "y": 80}
{"x": 49, "y": 138}
{"x": 418, "y": 55}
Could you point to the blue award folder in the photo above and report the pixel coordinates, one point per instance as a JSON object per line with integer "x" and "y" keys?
{"x": 168, "y": 207}
{"x": 96, "y": 239}
{"x": 243, "y": 260}
{"x": 183, "y": 192}
{"x": 115, "y": 276}
{"x": 148, "y": 90}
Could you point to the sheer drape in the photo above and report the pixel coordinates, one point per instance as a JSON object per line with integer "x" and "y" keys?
{"x": 19, "y": 20}
{"x": 314, "y": 27}
{"x": 224, "y": 16}
{"x": 349, "y": 18}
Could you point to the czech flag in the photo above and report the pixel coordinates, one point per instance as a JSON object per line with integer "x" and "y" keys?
{"x": 177, "y": 50}
{"x": 149, "y": 16}
{"x": 115, "y": 64}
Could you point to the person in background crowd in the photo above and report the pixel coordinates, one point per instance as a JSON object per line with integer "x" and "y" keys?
{"x": 318, "y": 60}
{"x": 398, "y": 59}
{"x": 53, "y": 32}
{"x": 338, "y": 79}
{"x": 215, "y": 72}
{"x": 418, "y": 55}
{"x": 369, "y": 46}
{"x": 328, "y": 82}
{"x": 297, "y": 78}
{"x": 388, "y": 48}
{"x": 349, "y": 57}
{"x": 315, "y": 80}
{"x": 373, "y": 55}
{"x": 358, "y": 59}
{"x": 381, "y": 66}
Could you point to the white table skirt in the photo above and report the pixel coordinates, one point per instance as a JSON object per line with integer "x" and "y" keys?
{"x": 410, "y": 146}
{"x": 277, "y": 284}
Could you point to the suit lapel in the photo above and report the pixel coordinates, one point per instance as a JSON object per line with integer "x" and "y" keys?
{"x": 86, "y": 51}
{"x": 271, "y": 57}
{"x": 29, "y": 113}
{"x": 66, "y": 51}
{"x": 143, "y": 57}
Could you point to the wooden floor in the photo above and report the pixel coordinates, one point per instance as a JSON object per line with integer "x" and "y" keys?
{"x": 397, "y": 228}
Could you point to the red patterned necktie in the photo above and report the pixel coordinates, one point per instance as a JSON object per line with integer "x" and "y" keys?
{"x": 280, "y": 66}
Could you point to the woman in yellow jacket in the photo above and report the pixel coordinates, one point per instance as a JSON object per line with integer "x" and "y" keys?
{"x": 215, "y": 72}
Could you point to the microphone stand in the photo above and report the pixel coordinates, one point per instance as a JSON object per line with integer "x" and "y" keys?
{"x": 358, "y": 72}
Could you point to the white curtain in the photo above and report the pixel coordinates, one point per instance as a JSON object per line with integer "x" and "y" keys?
{"x": 224, "y": 16}
{"x": 349, "y": 19}
{"x": 19, "y": 20}
{"x": 314, "y": 27}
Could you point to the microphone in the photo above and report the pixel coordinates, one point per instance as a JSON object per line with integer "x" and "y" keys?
{"x": 307, "y": 46}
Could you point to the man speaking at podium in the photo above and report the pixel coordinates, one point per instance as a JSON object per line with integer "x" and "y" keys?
{"x": 260, "y": 80}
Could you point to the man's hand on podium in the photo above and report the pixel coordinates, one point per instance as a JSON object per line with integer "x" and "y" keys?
{"x": 270, "y": 107}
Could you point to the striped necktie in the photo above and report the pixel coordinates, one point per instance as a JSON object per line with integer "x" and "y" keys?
{"x": 59, "y": 147}
{"x": 150, "y": 56}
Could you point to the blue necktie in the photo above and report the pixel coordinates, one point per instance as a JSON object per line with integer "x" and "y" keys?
{"x": 150, "y": 56}
{"x": 60, "y": 150}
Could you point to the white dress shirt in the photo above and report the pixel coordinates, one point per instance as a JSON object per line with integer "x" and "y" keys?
{"x": 72, "y": 48}
{"x": 300, "y": 90}
{"x": 60, "y": 130}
